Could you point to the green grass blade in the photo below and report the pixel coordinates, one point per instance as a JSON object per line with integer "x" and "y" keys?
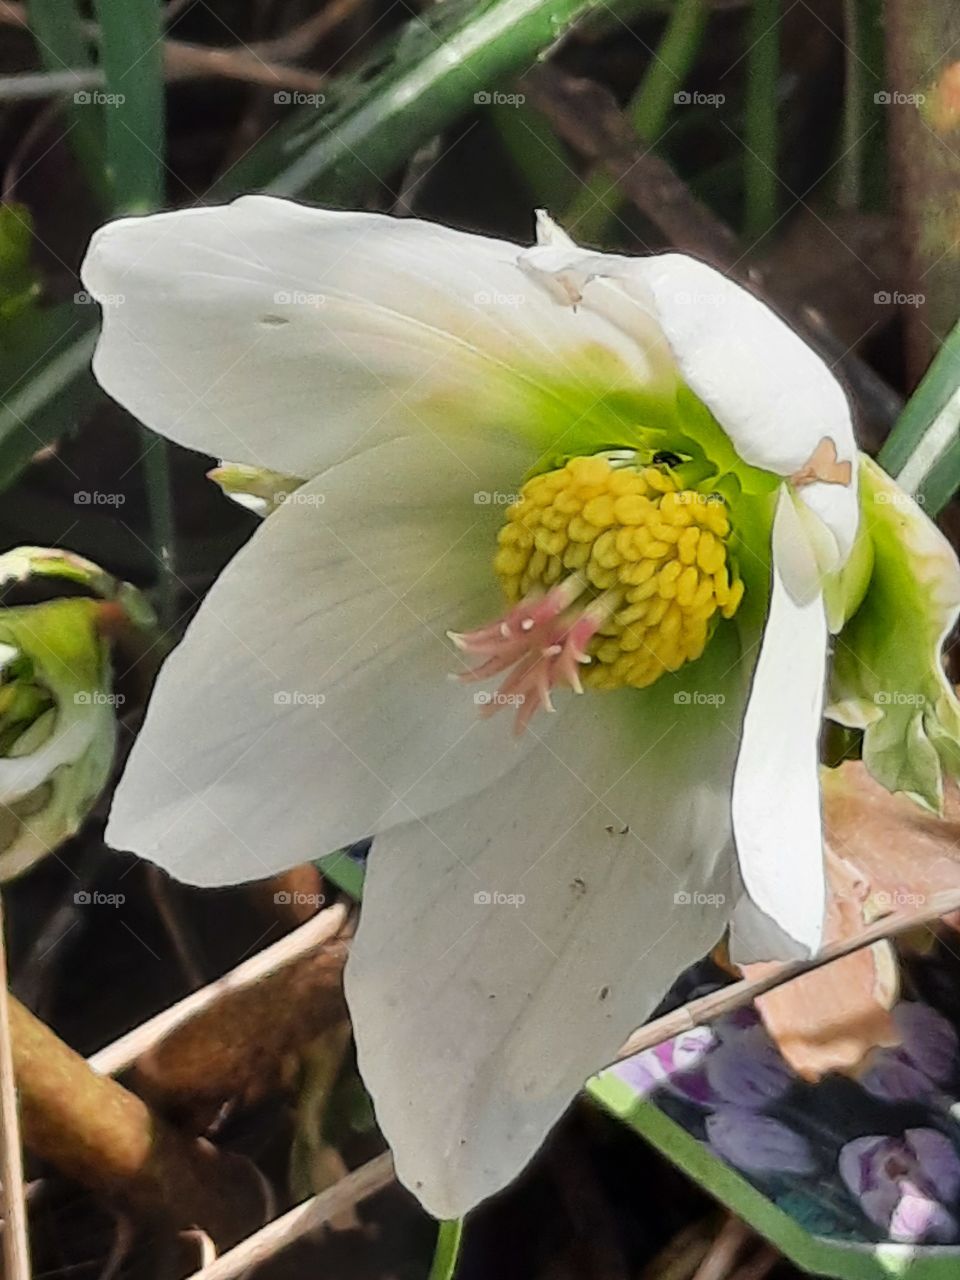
{"x": 57, "y": 29}
{"x": 923, "y": 449}
{"x": 131, "y": 49}
{"x": 761, "y": 132}
{"x": 131, "y": 53}
{"x": 447, "y": 1252}
{"x": 595, "y": 208}
{"x": 435, "y": 70}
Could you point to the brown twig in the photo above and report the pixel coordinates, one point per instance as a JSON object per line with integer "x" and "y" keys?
{"x": 712, "y": 1006}
{"x": 124, "y": 1052}
{"x": 263, "y": 1244}
{"x": 251, "y": 64}
{"x": 106, "y": 1138}
{"x": 16, "y": 1249}
{"x": 722, "y": 1255}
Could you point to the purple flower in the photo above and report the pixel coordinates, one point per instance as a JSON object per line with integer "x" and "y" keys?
{"x": 918, "y": 1067}
{"x": 676, "y": 1064}
{"x": 904, "y": 1183}
{"x": 758, "y": 1144}
{"x": 747, "y": 1070}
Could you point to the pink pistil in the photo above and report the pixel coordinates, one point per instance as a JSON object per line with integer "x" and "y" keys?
{"x": 542, "y": 642}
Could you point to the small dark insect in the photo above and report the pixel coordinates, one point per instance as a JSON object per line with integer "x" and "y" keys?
{"x": 665, "y": 458}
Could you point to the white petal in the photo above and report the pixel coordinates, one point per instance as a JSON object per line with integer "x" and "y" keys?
{"x": 776, "y": 791}
{"x": 310, "y": 702}
{"x": 286, "y": 337}
{"x": 478, "y": 1020}
{"x": 772, "y": 394}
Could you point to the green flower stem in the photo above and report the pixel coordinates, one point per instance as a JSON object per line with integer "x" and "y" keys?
{"x": 589, "y": 216}
{"x": 761, "y": 135}
{"x": 447, "y": 1252}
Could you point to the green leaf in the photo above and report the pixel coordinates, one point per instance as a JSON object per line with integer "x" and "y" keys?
{"x": 447, "y": 1252}
{"x": 343, "y": 871}
{"x": 131, "y": 53}
{"x": 923, "y": 449}
{"x": 19, "y": 281}
{"x": 436, "y": 68}
{"x": 45, "y": 382}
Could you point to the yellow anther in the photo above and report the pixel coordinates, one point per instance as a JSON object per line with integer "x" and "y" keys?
{"x": 656, "y": 554}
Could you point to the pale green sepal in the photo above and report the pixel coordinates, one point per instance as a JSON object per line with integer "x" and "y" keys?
{"x": 255, "y": 488}
{"x": 888, "y": 677}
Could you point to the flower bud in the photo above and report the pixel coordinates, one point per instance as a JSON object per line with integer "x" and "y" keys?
{"x": 57, "y": 705}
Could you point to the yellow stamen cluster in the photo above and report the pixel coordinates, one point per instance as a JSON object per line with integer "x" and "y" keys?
{"x": 651, "y": 555}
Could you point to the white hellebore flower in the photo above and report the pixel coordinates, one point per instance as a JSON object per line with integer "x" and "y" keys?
{"x": 546, "y": 469}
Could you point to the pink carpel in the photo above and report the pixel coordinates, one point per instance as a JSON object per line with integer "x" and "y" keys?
{"x": 541, "y": 642}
